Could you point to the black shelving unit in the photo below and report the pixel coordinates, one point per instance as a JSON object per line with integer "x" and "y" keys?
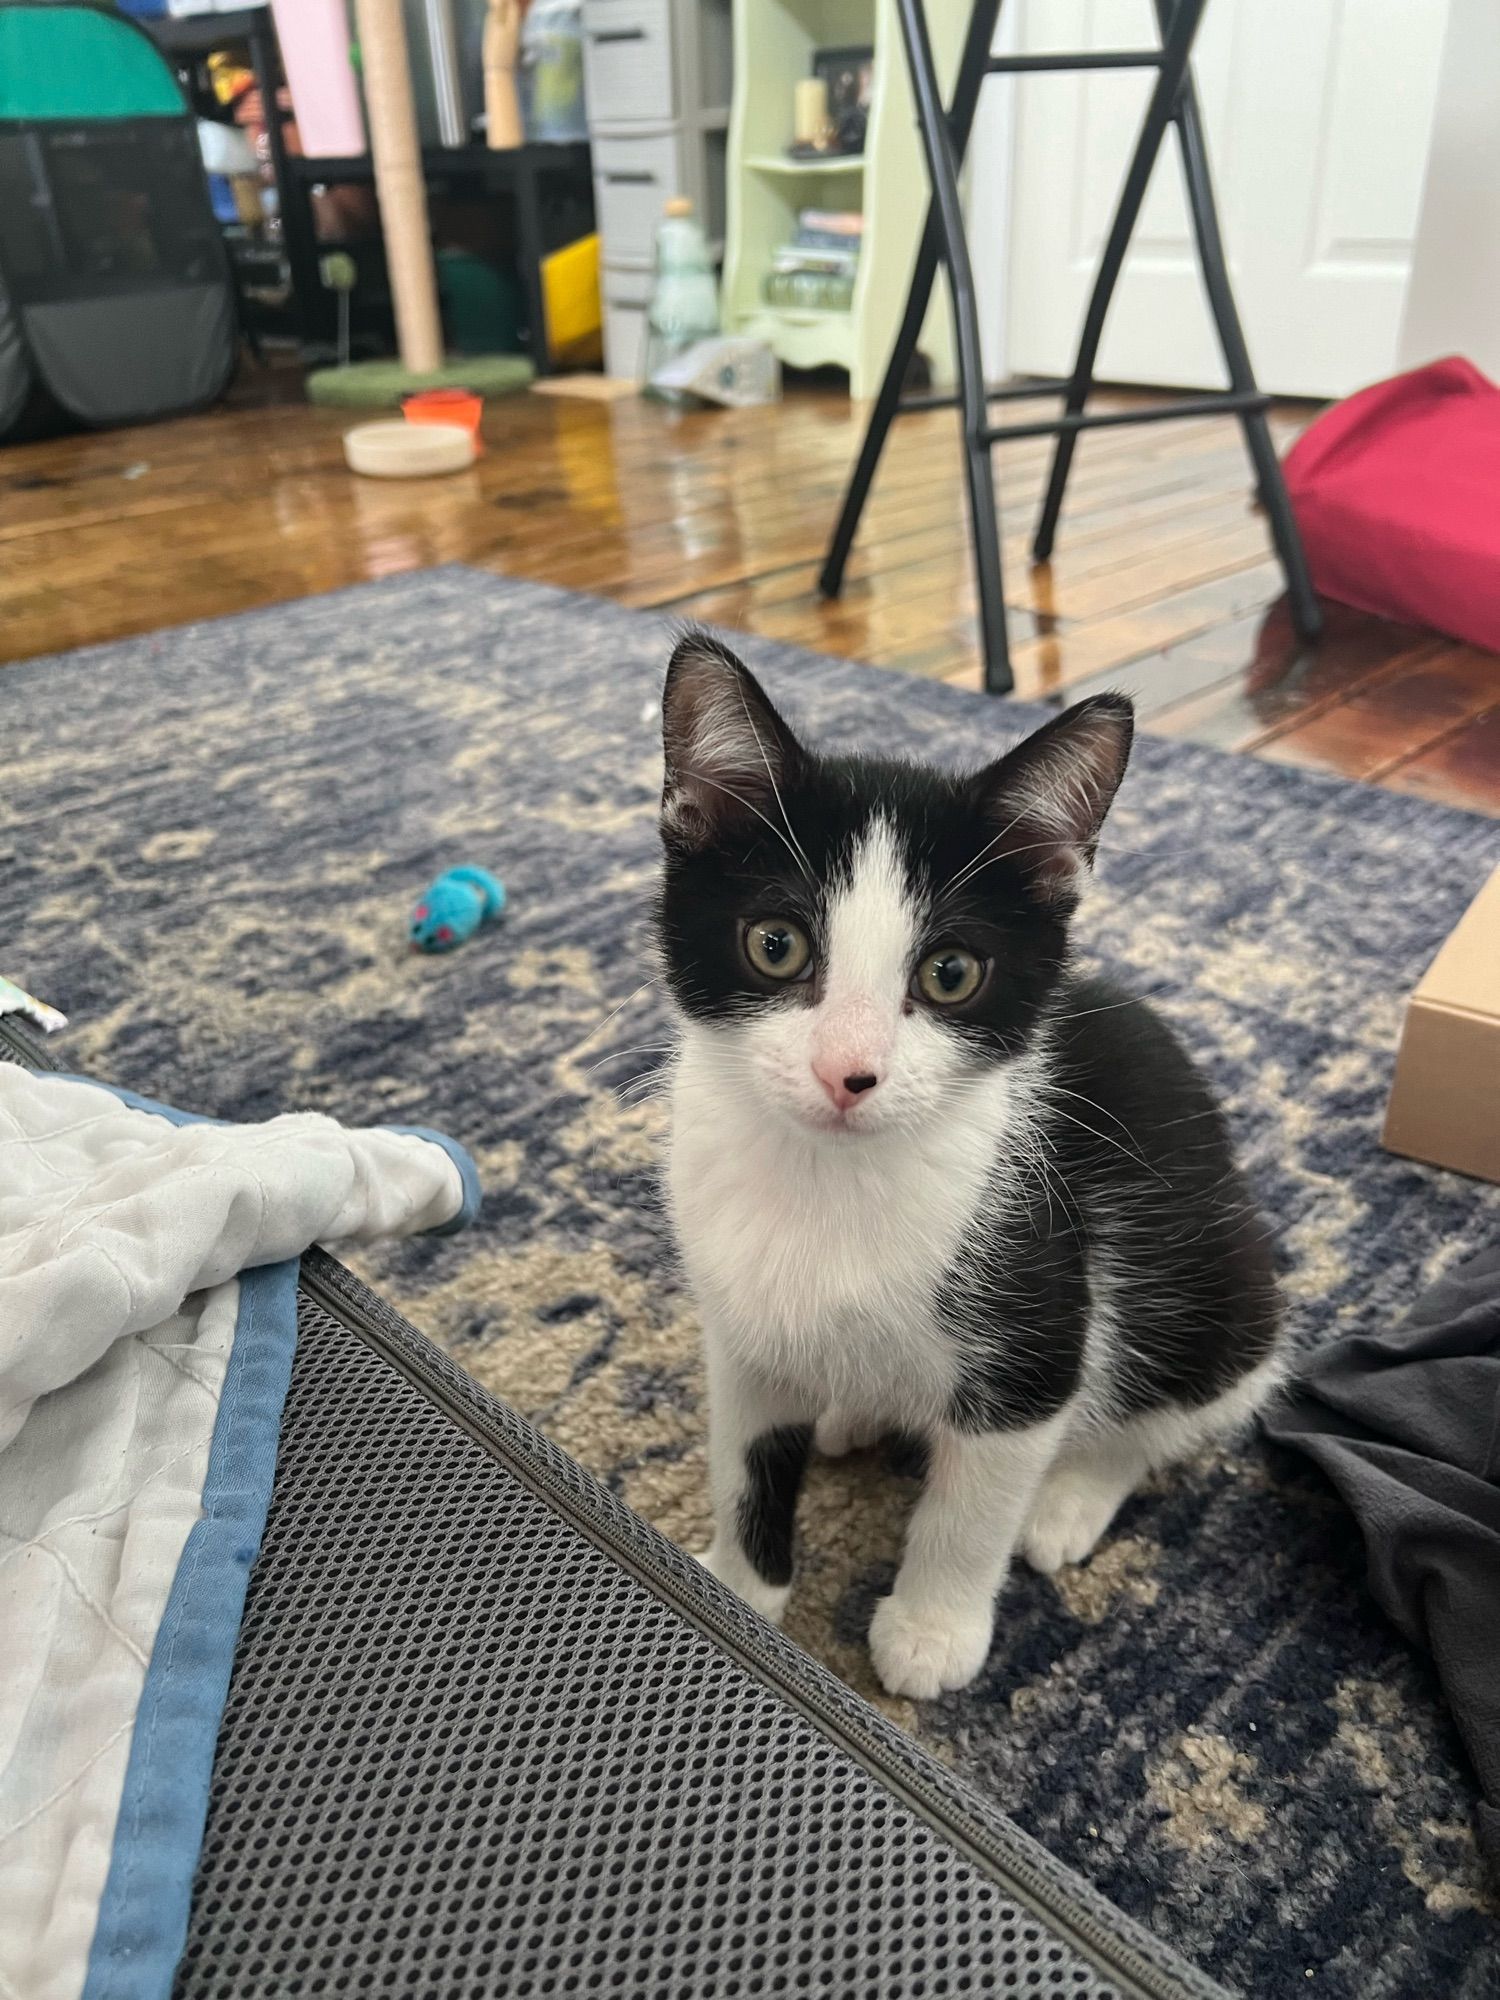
{"x": 189, "y": 36}
{"x": 528, "y": 177}
{"x": 524, "y": 175}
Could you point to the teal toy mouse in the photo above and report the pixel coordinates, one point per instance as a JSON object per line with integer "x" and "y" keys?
{"x": 459, "y": 901}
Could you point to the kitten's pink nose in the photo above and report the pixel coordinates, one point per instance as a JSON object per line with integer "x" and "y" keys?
{"x": 844, "y": 1081}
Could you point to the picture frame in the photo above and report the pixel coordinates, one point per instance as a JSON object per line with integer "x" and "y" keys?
{"x": 848, "y": 75}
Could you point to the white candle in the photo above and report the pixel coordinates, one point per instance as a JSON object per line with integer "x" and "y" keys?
{"x": 810, "y": 111}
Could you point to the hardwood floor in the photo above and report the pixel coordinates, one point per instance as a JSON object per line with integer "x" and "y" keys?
{"x": 1162, "y": 583}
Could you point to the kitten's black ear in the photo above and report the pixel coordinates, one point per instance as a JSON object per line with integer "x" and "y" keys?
{"x": 727, "y": 751}
{"x": 1048, "y": 798}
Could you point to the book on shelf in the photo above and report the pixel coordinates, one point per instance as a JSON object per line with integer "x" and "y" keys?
{"x": 840, "y": 222}
{"x": 826, "y": 239}
{"x": 816, "y": 268}
{"x": 799, "y": 257}
{"x": 826, "y": 244}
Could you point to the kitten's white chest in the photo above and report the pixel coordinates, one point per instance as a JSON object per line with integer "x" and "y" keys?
{"x": 818, "y": 1263}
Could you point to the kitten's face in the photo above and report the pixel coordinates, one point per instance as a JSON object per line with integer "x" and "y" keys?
{"x": 864, "y": 941}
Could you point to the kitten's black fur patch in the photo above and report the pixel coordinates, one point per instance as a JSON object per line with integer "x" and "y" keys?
{"x": 1136, "y": 1202}
{"x": 774, "y": 1465}
{"x": 1142, "y": 1195}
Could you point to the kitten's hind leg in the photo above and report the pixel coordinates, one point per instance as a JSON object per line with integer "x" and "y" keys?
{"x": 1093, "y": 1476}
{"x": 1081, "y": 1494}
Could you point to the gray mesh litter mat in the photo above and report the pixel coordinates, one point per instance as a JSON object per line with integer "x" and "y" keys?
{"x": 469, "y": 1750}
{"x": 489, "y": 1734}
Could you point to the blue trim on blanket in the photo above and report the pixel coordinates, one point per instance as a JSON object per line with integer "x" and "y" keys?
{"x": 468, "y": 1173}
{"x": 148, "y": 1893}
{"x": 143, "y": 1913}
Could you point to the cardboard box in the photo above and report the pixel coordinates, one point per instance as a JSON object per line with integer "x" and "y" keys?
{"x": 1445, "y": 1101}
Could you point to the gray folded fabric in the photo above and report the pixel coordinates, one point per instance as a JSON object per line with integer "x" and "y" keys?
{"x": 1407, "y": 1426}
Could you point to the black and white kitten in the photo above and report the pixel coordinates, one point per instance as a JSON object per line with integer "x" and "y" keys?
{"x": 925, "y": 1178}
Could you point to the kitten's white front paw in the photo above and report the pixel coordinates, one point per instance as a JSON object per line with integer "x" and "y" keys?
{"x": 1070, "y": 1515}
{"x": 837, "y": 1434}
{"x": 731, "y": 1568}
{"x": 922, "y": 1653}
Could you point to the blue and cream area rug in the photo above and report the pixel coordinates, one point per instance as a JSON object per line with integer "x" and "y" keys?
{"x": 209, "y": 844}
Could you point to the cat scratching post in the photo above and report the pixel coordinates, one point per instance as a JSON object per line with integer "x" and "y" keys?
{"x": 402, "y": 189}
{"x": 502, "y": 103}
{"x": 397, "y": 152}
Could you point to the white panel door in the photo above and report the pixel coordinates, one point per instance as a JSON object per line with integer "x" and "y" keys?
{"x": 1318, "y": 115}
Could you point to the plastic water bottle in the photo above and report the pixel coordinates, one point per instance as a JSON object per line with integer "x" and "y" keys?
{"x": 685, "y": 296}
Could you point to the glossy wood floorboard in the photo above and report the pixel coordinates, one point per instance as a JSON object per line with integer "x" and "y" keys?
{"x": 1162, "y": 582}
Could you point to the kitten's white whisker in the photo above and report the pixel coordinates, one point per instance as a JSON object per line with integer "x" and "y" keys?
{"x": 570, "y": 1055}
{"x": 1079, "y": 1098}
{"x": 599, "y": 1027}
{"x": 1124, "y": 1151}
{"x": 960, "y": 875}
{"x": 1130, "y": 1000}
{"x": 792, "y": 839}
{"x": 640, "y": 1049}
{"x": 1011, "y": 853}
{"x": 702, "y": 778}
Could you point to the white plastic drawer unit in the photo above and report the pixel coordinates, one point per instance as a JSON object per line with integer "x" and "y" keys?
{"x": 633, "y": 177}
{"x": 627, "y": 61}
{"x": 627, "y": 293}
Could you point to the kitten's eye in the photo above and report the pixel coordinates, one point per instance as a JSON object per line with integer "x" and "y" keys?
{"x": 948, "y": 977}
{"x": 777, "y": 948}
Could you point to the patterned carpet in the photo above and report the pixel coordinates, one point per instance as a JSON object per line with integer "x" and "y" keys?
{"x": 209, "y": 841}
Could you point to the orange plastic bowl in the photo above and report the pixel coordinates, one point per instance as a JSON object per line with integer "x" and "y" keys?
{"x": 446, "y": 406}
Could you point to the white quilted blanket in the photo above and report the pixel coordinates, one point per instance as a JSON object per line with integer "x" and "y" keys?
{"x": 121, "y": 1236}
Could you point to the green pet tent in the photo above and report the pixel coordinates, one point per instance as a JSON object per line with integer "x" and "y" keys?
{"x": 116, "y": 298}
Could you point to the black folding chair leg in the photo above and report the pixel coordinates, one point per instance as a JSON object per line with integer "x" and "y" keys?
{"x": 831, "y": 576}
{"x": 1270, "y": 485}
{"x": 943, "y": 169}
{"x": 960, "y": 121}
{"x": 984, "y": 523}
{"x": 1306, "y": 615}
{"x": 1177, "y": 42}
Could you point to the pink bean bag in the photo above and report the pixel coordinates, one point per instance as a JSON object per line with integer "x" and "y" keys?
{"x": 1397, "y": 494}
